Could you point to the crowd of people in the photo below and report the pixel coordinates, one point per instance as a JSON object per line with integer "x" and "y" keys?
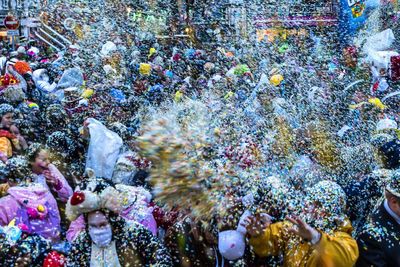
{"x": 146, "y": 152}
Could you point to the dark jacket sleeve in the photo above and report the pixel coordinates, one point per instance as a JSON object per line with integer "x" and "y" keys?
{"x": 361, "y": 199}
{"x": 80, "y": 251}
{"x": 150, "y": 247}
{"x": 371, "y": 253}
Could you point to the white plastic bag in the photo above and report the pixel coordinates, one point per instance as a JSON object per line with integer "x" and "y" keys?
{"x": 380, "y": 41}
{"x": 104, "y": 148}
{"x": 72, "y": 77}
{"x": 381, "y": 59}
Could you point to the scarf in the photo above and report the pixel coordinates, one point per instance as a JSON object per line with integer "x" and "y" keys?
{"x": 104, "y": 257}
{"x": 8, "y": 134}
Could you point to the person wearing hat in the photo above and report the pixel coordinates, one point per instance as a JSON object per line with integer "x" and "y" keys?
{"x": 387, "y": 143}
{"x": 21, "y": 52}
{"x": 379, "y": 241}
{"x": 108, "y": 239}
{"x": 320, "y": 237}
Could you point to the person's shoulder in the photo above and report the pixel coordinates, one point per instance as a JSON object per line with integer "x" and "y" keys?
{"x": 82, "y": 239}
{"x": 133, "y": 228}
{"x": 373, "y": 233}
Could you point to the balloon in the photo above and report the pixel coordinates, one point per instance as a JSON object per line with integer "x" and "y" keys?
{"x": 32, "y": 105}
{"x": 145, "y": 69}
{"x": 283, "y": 48}
{"x": 87, "y": 93}
{"x": 152, "y": 51}
{"x": 276, "y": 79}
{"x": 178, "y": 96}
{"x": 54, "y": 259}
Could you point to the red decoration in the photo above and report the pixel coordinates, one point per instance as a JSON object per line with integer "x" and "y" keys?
{"x": 176, "y": 57}
{"x": 54, "y": 259}
{"x": 395, "y": 68}
{"x": 77, "y": 198}
{"x": 8, "y": 134}
{"x": 6, "y": 80}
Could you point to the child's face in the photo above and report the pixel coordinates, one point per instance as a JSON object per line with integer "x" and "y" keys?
{"x": 7, "y": 120}
{"x": 41, "y": 161}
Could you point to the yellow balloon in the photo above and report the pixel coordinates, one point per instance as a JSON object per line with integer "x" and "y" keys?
{"x": 276, "y": 79}
{"x": 145, "y": 69}
{"x": 377, "y": 103}
{"x": 152, "y": 51}
{"x": 87, "y": 93}
{"x": 178, "y": 96}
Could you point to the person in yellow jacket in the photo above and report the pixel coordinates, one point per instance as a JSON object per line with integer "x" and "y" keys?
{"x": 322, "y": 238}
{"x": 10, "y": 138}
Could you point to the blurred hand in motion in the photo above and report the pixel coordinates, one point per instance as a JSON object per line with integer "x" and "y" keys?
{"x": 256, "y": 225}
{"x": 304, "y": 230}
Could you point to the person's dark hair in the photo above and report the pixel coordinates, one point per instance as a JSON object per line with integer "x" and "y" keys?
{"x": 59, "y": 141}
{"x": 6, "y": 108}
{"x": 17, "y": 169}
{"x": 55, "y": 113}
{"x": 140, "y": 179}
{"x": 33, "y": 151}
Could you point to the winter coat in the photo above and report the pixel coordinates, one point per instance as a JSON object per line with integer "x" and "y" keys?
{"x": 362, "y": 196}
{"x": 391, "y": 154}
{"x": 136, "y": 246}
{"x": 379, "y": 241}
{"x": 7, "y": 142}
{"x": 23, "y": 203}
{"x": 338, "y": 249}
{"x": 41, "y": 80}
{"x": 62, "y": 190}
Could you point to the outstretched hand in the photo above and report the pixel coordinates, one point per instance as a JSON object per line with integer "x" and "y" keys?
{"x": 255, "y": 225}
{"x": 302, "y": 229}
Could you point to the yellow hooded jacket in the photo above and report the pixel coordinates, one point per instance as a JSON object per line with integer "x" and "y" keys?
{"x": 336, "y": 250}
{"x": 6, "y": 146}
